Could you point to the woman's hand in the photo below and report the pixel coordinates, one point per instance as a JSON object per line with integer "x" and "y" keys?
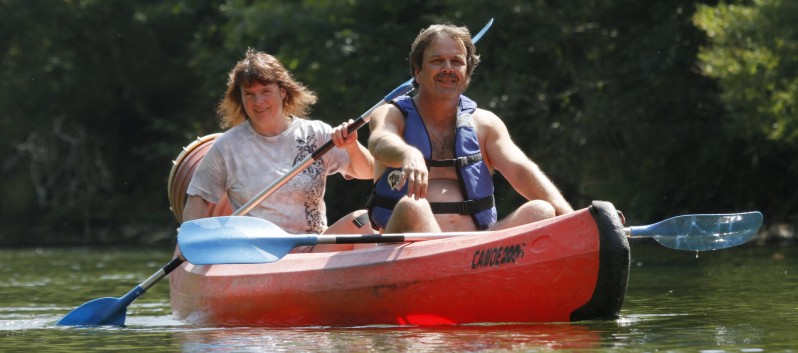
{"x": 341, "y": 137}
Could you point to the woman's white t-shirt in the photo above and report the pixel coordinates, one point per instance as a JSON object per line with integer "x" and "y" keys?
{"x": 242, "y": 163}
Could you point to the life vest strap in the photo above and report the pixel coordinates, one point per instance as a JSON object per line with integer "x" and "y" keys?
{"x": 458, "y": 162}
{"x": 467, "y": 207}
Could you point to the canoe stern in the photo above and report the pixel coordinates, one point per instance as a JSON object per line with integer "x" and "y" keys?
{"x": 614, "y": 259}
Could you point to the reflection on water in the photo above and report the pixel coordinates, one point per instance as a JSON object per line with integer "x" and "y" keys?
{"x": 393, "y": 339}
{"x": 735, "y": 300}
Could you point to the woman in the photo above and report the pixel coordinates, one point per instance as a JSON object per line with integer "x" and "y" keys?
{"x": 264, "y": 109}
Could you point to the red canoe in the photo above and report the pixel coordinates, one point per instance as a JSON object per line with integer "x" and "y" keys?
{"x": 569, "y": 268}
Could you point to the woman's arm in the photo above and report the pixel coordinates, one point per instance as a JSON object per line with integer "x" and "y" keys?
{"x": 196, "y": 208}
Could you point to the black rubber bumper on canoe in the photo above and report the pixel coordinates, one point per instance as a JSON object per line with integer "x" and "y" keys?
{"x": 614, "y": 261}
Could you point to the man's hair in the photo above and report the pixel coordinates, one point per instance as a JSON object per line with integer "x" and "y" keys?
{"x": 264, "y": 69}
{"x": 428, "y": 35}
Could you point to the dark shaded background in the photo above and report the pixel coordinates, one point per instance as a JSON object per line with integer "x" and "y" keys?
{"x": 611, "y": 98}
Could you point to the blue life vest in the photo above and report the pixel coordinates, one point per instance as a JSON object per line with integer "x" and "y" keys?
{"x": 476, "y": 180}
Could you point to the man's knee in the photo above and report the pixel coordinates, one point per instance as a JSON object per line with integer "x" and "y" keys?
{"x": 408, "y": 207}
{"x": 411, "y": 215}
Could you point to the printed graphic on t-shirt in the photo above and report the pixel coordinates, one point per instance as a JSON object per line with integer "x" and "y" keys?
{"x": 311, "y": 183}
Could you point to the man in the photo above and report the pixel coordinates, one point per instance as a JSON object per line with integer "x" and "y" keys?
{"x": 434, "y": 153}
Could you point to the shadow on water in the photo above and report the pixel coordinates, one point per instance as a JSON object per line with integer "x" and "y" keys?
{"x": 740, "y": 299}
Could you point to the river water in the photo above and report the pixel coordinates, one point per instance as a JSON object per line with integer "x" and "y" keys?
{"x": 743, "y": 299}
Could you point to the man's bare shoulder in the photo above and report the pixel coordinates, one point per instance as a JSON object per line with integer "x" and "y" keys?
{"x": 387, "y": 115}
{"x": 384, "y": 109}
{"x": 487, "y": 122}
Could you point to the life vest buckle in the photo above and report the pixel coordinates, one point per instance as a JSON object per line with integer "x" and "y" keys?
{"x": 465, "y": 207}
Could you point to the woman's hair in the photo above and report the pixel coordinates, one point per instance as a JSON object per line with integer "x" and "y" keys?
{"x": 264, "y": 69}
{"x": 428, "y": 35}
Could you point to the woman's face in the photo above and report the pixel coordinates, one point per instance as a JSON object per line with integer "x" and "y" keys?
{"x": 263, "y": 103}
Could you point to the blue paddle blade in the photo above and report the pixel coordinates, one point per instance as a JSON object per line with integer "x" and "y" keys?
{"x": 701, "y": 232}
{"x": 236, "y": 240}
{"x": 102, "y": 311}
{"x": 481, "y": 33}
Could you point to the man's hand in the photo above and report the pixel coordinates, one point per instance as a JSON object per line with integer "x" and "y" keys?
{"x": 415, "y": 174}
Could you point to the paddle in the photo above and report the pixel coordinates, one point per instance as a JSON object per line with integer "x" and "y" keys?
{"x": 250, "y": 240}
{"x": 111, "y": 311}
{"x": 701, "y": 232}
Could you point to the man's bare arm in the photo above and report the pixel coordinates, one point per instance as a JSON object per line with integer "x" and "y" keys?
{"x": 522, "y": 173}
{"x": 390, "y": 150}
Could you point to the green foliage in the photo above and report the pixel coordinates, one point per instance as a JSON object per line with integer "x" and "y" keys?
{"x": 96, "y": 97}
{"x": 89, "y": 93}
{"x": 751, "y": 52}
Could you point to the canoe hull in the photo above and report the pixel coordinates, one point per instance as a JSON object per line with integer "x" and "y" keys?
{"x": 572, "y": 267}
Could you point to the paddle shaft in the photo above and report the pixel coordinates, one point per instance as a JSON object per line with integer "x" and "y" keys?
{"x": 163, "y": 272}
{"x": 149, "y": 282}
{"x": 413, "y": 237}
{"x": 388, "y": 238}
